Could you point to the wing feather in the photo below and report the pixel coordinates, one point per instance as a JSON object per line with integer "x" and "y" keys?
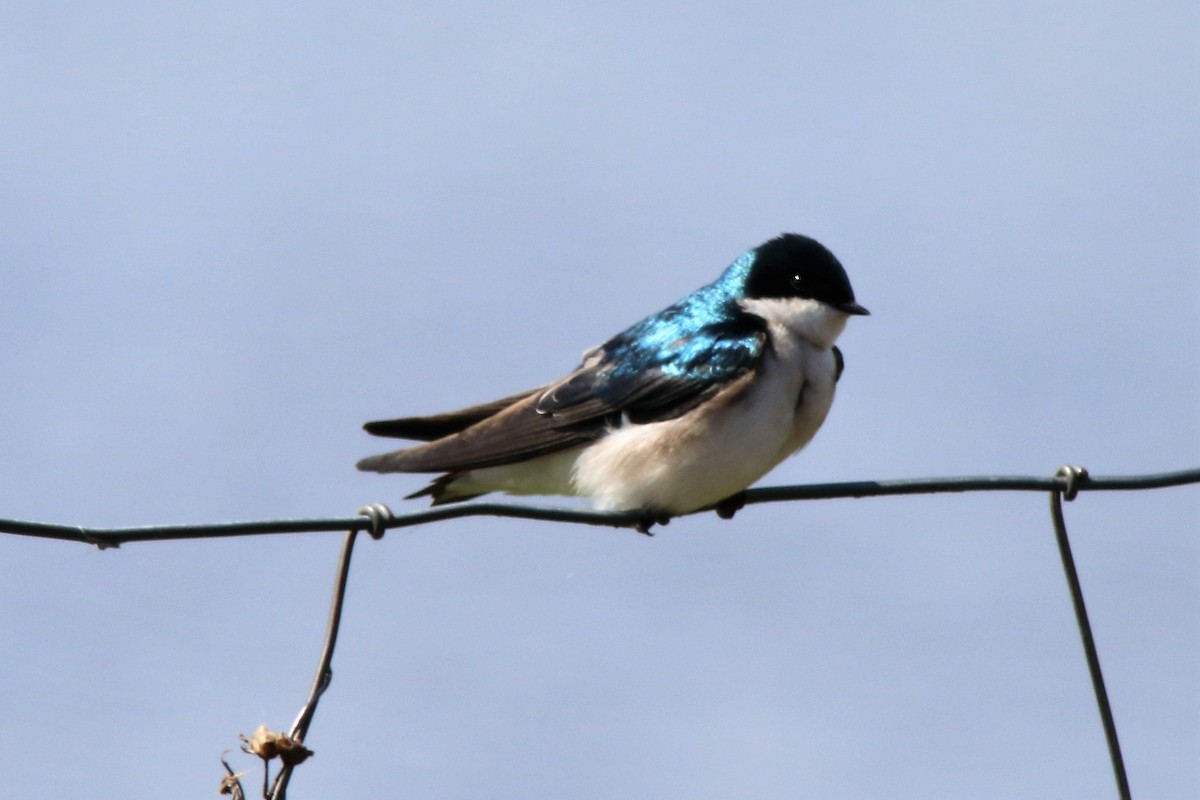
{"x": 435, "y": 426}
{"x": 517, "y": 433}
{"x": 633, "y": 377}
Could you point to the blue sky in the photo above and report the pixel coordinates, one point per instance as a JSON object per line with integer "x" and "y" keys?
{"x": 236, "y": 231}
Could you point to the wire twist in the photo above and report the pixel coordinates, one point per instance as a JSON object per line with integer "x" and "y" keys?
{"x": 381, "y": 518}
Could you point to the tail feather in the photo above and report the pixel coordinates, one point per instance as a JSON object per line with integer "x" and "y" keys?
{"x": 439, "y": 491}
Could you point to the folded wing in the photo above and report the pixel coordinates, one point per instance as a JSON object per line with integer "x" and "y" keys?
{"x": 634, "y": 377}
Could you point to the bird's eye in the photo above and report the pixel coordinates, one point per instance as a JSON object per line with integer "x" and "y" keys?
{"x": 796, "y": 281}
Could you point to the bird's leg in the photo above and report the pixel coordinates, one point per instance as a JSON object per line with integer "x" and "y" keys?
{"x": 648, "y": 518}
{"x": 731, "y": 505}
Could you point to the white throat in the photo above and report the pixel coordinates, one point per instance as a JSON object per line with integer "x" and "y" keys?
{"x": 811, "y": 320}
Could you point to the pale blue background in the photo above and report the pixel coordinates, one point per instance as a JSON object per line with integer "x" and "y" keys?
{"x": 233, "y": 232}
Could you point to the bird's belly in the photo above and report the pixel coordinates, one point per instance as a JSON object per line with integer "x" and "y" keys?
{"x": 549, "y": 474}
{"x": 680, "y": 465}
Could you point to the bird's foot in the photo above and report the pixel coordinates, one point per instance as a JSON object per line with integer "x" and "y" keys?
{"x": 649, "y": 518}
{"x": 730, "y": 505}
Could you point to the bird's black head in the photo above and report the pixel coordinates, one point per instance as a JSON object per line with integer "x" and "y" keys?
{"x": 792, "y": 265}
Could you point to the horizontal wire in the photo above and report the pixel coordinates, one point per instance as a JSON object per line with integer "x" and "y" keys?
{"x": 112, "y": 537}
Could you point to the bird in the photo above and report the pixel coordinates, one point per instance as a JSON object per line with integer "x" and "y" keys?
{"x": 680, "y": 412}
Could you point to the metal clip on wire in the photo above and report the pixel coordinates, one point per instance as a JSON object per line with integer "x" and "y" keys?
{"x": 1074, "y": 476}
{"x": 381, "y": 517}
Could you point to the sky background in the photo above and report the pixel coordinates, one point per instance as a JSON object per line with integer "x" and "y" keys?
{"x": 236, "y": 231}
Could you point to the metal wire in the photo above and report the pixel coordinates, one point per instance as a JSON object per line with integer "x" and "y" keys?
{"x": 1073, "y": 476}
{"x": 113, "y": 537}
{"x": 324, "y": 674}
{"x": 377, "y": 518}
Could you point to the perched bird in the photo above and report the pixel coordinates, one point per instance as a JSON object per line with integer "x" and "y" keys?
{"x": 679, "y": 412}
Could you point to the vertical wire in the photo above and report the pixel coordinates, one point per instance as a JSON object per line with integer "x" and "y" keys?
{"x": 1089, "y": 646}
{"x": 324, "y": 669}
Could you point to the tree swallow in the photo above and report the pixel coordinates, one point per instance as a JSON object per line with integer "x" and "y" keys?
{"x": 682, "y": 411}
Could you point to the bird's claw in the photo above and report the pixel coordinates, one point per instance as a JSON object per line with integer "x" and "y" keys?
{"x": 649, "y": 519}
{"x": 730, "y": 505}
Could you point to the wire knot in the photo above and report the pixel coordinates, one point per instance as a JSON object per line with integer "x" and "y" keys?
{"x": 380, "y": 516}
{"x": 101, "y": 544}
{"x": 1074, "y": 476}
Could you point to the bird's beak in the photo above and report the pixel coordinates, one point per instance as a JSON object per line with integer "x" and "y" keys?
{"x": 852, "y": 308}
